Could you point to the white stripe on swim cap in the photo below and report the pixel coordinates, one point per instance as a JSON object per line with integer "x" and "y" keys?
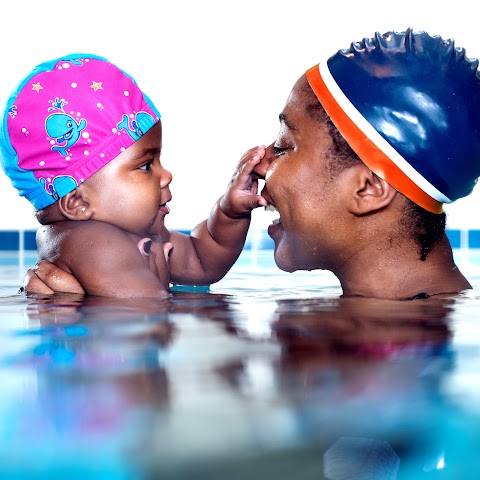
{"x": 376, "y": 138}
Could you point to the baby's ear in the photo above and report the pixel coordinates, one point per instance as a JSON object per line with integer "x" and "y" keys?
{"x": 74, "y": 206}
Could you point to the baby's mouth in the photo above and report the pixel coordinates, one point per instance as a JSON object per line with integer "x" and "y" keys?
{"x": 165, "y": 209}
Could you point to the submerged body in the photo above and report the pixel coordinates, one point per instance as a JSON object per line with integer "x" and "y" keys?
{"x": 298, "y": 370}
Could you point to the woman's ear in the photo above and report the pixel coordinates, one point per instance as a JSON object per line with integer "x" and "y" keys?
{"x": 74, "y": 206}
{"x": 370, "y": 193}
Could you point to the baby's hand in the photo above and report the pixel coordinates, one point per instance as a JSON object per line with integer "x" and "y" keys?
{"x": 242, "y": 195}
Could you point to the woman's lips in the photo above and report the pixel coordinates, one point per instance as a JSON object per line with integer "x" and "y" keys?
{"x": 276, "y": 224}
{"x": 275, "y": 227}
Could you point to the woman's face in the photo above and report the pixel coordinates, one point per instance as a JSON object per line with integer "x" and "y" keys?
{"x": 300, "y": 185}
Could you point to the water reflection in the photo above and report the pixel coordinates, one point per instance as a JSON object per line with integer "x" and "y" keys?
{"x": 229, "y": 386}
{"x": 365, "y": 327}
{"x": 362, "y": 380}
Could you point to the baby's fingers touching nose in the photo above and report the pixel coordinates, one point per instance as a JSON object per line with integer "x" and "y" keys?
{"x": 262, "y": 167}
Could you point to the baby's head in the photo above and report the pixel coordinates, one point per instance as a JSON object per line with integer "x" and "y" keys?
{"x": 66, "y": 120}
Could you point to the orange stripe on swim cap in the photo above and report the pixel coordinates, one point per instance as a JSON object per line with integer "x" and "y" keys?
{"x": 369, "y": 152}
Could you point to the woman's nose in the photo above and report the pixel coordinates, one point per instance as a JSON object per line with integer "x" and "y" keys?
{"x": 262, "y": 167}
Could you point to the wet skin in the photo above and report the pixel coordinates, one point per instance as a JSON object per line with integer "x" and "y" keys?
{"x": 298, "y": 184}
{"x": 137, "y": 201}
{"x": 350, "y": 221}
{"x": 110, "y": 216}
{"x": 100, "y": 223}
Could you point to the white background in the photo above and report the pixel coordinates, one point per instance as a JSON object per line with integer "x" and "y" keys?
{"x": 218, "y": 71}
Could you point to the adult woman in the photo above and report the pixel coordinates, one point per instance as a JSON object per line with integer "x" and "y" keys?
{"x": 347, "y": 219}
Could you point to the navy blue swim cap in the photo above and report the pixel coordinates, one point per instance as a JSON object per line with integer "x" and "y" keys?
{"x": 409, "y": 105}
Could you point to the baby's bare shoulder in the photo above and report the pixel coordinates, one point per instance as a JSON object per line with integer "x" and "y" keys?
{"x": 69, "y": 241}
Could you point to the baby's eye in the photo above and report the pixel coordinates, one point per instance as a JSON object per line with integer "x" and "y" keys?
{"x": 146, "y": 166}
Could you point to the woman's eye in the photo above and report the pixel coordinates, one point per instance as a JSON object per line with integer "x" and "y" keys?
{"x": 278, "y": 150}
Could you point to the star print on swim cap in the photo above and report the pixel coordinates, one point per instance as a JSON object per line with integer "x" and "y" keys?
{"x": 66, "y": 120}
{"x": 408, "y": 104}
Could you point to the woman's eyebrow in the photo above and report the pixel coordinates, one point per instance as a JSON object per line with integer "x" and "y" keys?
{"x": 283, "y": 119}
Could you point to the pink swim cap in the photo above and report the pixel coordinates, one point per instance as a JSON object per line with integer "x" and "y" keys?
{"x": 67, "y": 119}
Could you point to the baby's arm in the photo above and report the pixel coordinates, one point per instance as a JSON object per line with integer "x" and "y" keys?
{"x": 214, "y": 245}
{"x": 202, "y": 258}
{"x": 104, "y": 259}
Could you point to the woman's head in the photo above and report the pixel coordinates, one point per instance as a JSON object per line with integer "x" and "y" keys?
{"x": 425, "y": 227}
{"x": 317, "y": 183}
{"x": 372, "y": 112}
{"x": 409, "y": 105}
{"x": 66, "y": 120}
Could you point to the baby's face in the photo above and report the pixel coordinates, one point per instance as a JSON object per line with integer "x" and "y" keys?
{"x": 131, "y": 191}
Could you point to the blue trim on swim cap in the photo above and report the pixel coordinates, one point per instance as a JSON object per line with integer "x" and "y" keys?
{"x": 23, "y": 180}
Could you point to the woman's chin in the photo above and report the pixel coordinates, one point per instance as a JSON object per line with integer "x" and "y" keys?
{"x": 282, "y": 260}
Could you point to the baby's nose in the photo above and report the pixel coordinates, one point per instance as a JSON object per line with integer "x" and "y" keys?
{"x": 262, "y": 167}
{"x": 165, "y": 178}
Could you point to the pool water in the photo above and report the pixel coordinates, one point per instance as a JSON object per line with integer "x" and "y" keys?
{"x": 264, "y": 375}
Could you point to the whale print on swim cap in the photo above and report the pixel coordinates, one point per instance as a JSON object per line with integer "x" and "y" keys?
{"x": 408, "y": 104}
{"x": 67, "y": 119}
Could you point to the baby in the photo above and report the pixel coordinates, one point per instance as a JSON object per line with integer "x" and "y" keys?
{"x": 82, "y": 143}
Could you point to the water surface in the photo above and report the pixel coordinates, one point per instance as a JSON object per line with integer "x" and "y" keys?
{"x": 266, "y": 375}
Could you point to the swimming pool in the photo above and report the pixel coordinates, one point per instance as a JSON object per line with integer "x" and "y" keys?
{"x": 267, "y": 375}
